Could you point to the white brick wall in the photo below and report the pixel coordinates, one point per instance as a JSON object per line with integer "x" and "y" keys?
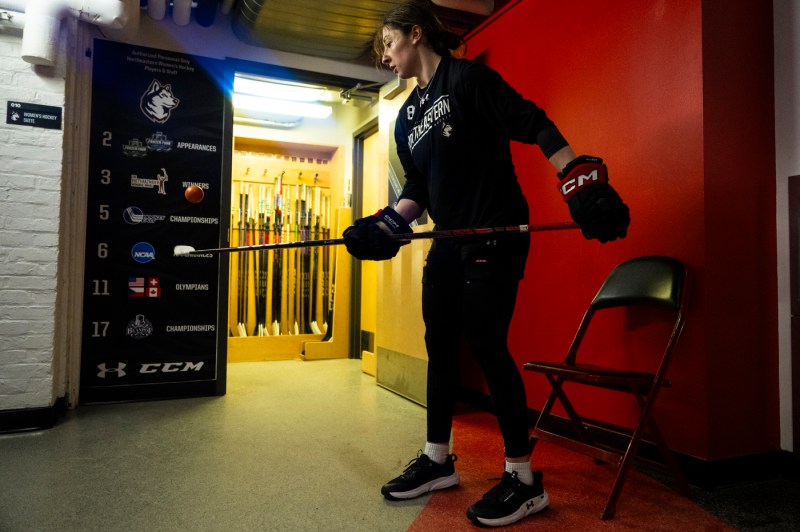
{"x": 30, "y": 194}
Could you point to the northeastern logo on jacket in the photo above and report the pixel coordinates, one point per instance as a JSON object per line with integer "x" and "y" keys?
{"x": 435, "y": 114}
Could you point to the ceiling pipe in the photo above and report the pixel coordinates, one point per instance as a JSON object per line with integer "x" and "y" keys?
{"x": 182, "y": 12}
{"x": 227, "y": 6}
{"x": 157, "y": 9}
{"x": 12, "y": 5}
{"x": 11, "y": 19}
{"x": 206, "y": 12}
{"x": 131, "y": 29}
{"x": 479, "y": 7}
{"x": 43, "y": 21}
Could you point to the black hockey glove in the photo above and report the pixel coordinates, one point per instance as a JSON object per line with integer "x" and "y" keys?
{"x": 366, "y": 240}
{"x": 593, "y": 203}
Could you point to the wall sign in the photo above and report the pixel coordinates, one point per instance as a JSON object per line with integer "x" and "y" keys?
{"x": 151, "y": 320}
{"x": 31, "y": 114}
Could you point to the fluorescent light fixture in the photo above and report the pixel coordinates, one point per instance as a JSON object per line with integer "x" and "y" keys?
{"x": 280, "y": 107}
{"x": 259, "y": 122}
{"x": 279, "y": 98}
{"x": 280, "y": 90}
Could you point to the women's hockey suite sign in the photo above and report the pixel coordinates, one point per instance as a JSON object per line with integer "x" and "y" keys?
{"x": 151, "y": 321}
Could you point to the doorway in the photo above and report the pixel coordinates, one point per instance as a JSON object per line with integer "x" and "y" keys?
{"x": 292, "y": 166}
{"x": 368, "y": 197}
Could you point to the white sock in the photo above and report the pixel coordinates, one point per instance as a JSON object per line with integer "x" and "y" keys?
{"x": 438, "y": 452}
{"x": 523, "y": 469}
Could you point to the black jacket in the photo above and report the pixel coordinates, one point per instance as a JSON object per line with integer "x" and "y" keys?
{"x": 453, "y": 140}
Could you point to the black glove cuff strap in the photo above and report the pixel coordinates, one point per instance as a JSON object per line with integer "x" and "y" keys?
{"x": 393, "y": 220}
{"x": 576, "y": 161}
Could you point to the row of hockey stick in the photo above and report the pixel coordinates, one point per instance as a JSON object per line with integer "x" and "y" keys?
{"x": 281, "y": 291}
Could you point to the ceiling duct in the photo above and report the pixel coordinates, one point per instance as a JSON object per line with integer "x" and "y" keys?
{"x": 43, "y": 22}
{"x": 481, "y": 7}
{"x": 335, "y": 29}
{"x": 205, "y": 11}
{"x": 338, "y": 29}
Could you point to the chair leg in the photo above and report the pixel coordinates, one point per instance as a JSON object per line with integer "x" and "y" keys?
{"x": 622, "y": 472}
{"x": 577, "y": 421}
{"x": 669, "y": 458}
{"x": 557, "y": 392}
{"x": 631, "y": 451}
{"x": 548, "y": 406}
{"x": 663, "y": 448}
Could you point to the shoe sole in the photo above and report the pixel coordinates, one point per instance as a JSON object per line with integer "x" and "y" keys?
{"x": 435, "y": 484}
{"x": 531, "y": 506}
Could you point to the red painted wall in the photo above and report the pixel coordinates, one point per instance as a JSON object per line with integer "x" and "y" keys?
{"x": 677, "y": 98}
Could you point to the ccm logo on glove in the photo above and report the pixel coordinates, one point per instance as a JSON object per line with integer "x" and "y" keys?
{"x": 394, "y": 226}
{"x": 593, "y": 203}
{"x": 588, "y": 171}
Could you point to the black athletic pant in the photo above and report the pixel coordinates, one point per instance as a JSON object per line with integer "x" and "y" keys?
{"x": 469, "y": 289}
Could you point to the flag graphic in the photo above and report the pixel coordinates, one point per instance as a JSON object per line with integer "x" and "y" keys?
{"x": 135, "y": 286}
{"x": 153, "y": 287}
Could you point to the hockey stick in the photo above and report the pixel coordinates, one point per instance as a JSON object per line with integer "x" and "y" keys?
{"x": 182, "y": 250}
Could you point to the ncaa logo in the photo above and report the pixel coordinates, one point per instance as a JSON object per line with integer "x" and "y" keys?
{"x": 143, "y": 252}
{"x": 105, "y": 369}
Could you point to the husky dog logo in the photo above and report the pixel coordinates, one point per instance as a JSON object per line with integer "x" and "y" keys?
{"x": 157, "y": 102}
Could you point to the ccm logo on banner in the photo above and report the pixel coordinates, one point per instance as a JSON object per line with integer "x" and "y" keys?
{"x": 153, "y": 367}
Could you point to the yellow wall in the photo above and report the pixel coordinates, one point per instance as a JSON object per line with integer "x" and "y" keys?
{"x": 399, "y": 320}
{"x": 399, "y": 316}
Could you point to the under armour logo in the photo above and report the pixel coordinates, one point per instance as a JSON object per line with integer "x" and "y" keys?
{"x": 529, "y": 505}
{"x": 105, "y": 369}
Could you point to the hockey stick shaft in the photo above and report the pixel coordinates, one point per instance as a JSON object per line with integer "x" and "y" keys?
{"x": 444, "y": 233}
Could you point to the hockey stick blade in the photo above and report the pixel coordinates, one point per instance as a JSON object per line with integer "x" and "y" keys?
{"x": 184, "y": 251}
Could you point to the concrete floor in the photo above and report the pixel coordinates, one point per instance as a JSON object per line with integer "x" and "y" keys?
{"x": 294, "y": 446}
{"x": 283, "y": 450}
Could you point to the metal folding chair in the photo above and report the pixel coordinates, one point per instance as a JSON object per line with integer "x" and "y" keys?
{"x": 653, "y": 281}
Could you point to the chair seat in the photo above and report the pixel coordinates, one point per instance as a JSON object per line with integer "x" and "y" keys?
{"x": 597, "y": 375}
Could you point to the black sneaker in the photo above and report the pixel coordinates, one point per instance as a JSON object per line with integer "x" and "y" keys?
{"x": 509, "y": 501}
{"x": 421, "y": 476}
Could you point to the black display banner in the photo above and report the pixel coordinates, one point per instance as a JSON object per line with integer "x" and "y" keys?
{"x": 151, "y": 320}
